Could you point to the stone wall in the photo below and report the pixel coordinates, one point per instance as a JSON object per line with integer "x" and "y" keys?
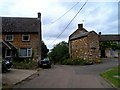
{"x": 94, "y": 49}
{"x": 111, "y": 53}
{"x": 33, "y": 43}
{"x": 79, "y": 48}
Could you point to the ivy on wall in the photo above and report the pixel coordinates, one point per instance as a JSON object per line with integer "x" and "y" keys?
{"x": 109, "y": 44}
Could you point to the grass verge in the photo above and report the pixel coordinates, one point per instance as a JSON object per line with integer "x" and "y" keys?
{"x": 113, "y": 76}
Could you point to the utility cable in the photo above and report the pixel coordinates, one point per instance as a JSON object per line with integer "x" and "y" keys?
{"x": 70, "y": 21}
{"x": 64, "y": 13}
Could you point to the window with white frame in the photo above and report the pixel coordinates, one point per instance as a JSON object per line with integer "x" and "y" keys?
{"x": 9, "y": 37}
{"x": 25, "y": 37}
{"x": 25, "y": 52}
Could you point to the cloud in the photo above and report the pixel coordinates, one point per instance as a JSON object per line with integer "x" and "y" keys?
{"x": 101, "y": 17}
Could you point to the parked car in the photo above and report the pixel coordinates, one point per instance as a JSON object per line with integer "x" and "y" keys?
{"x": 4, "y": 67}
{"x": 6, "y": 64}
{"x": 44, "y": 63}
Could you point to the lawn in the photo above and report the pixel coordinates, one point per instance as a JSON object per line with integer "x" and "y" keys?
{"x": 113, "y": 76}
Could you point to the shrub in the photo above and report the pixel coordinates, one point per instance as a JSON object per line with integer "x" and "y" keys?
{"x": 76, "y": 61}
{"x": 99, "y": 60}
{"x": 25, "y": 64}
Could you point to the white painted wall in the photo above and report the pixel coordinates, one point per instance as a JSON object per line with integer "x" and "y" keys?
{"x": 111, "y": 53}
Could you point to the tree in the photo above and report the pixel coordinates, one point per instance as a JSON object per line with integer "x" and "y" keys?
{"x": 109, "y": 44}
{"x": 60, "y": 52}
{"x": 44, "y": 50}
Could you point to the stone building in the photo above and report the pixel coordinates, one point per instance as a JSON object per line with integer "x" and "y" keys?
{"x": 84, "y": 44}
{"x": 22, "y": 35}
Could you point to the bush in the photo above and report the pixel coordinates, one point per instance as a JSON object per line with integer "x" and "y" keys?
{"x": 99, "y": 60}
{"x": 77, "y": 61}
{"x": 25, "y": 64}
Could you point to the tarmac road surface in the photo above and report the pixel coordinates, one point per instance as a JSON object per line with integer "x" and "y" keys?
{"x": 66, "y": 76}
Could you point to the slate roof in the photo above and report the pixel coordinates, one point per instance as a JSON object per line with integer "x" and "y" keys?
{"x": 80, "y": 35}
{"x": 18, "y": 24}
{"x": 81, "y": 29}
{"x": 101, "y": 37}
{"x": 81, "y": 32}
{"x": 112, "y": 37}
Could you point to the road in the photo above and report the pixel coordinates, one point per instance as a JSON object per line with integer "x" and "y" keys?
{"x": 63, "y": 76}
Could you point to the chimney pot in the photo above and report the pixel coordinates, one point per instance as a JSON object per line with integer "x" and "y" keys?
{"x": 80, "y": 25}
{"x": 39, "y": 15}
{"x": 99, "y": 33}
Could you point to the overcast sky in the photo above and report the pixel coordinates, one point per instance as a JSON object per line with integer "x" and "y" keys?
{"x": 98, "y": 16}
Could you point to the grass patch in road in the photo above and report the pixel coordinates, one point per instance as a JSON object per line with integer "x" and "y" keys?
{"x": 113, "y": 76}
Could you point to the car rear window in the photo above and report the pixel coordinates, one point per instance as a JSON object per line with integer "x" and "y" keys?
{"x": 46, "y": 61}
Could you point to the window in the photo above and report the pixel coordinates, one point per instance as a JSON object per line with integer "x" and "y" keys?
{"x": 9, "y": 37}
{"x": 25, "y": 37}
{"x": 25, "y": 52}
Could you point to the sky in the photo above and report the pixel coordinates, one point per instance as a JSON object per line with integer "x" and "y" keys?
{"x": 100, "y": 16}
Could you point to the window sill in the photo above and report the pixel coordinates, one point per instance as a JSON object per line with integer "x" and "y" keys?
{"x": 25, "y": 56}
{"x": 9, "y": 40}
{"x": 25, "y": 41}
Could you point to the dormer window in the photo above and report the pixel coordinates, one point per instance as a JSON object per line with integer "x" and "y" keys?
{"x": 9, "y": 37}
{"x": 25, "y": 37}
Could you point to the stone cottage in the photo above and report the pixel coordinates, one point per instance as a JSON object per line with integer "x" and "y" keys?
{"x": 22, "y": 35}
{"x": 84, "y": 44}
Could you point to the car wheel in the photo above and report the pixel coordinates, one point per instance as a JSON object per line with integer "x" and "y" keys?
{"x": 4, "y": 69}
{"x": 50, "y": 66}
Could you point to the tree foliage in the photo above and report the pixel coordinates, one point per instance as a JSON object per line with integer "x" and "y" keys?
{"x": 44, "y": 50}
{"x": 59, "y": 52}
{"x": 109, "y": 44}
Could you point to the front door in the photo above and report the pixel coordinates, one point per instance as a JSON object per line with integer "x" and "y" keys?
{"x": 103, "y": 53}
{"x": 6, "y": 52}
{"x": 3, "y": 52}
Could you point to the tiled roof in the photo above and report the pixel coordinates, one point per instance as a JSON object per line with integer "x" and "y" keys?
{"x": 109, "y": 37}
{"x": 17, "y": 24}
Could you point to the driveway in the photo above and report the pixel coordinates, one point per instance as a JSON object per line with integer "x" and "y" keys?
{"x": 65, "y": 76}
{"x": 14, "y": 76}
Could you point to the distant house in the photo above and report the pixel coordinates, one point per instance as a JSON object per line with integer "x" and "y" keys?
{"x": 21, "y": 36}
{"x": 84, "y": 44}
{"x": 109, "y": 52}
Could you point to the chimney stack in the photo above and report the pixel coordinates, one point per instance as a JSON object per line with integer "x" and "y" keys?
{"x": 39, "y": 15}
{"x": 80, "y": 26}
